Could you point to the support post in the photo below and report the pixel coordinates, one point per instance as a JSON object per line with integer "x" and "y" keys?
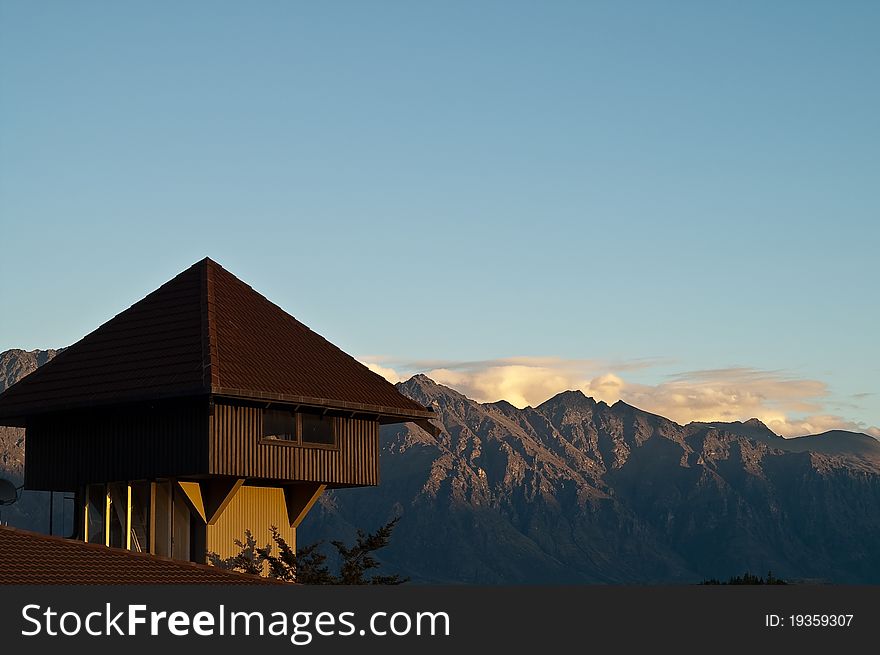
{"x": 152, "y": 521}
{"x": 128, "y": 516}
{"x": 106, "y": 515}
{"x": 85, "y": 514}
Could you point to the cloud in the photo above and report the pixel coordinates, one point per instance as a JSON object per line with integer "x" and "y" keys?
{"x": 519, "y": 384}
{"x": 790, "y": 406}
{"x": 556, "y": 363}
{"x": 729, "y": 394}
{"x": 388, "y": 373}
{"x": 819, "y": 423}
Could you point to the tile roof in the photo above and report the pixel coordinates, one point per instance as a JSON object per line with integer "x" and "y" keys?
{"x": 205, "y": 331}
{"x": 32, "y": 558}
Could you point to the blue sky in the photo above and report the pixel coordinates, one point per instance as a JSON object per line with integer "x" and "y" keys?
{"x": 674, "y": 203}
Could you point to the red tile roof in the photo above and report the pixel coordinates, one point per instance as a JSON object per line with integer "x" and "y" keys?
{"x": 203, "y": 332}
{"x": 31, "y": 558}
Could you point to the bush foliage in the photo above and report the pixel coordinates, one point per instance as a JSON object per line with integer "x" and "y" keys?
{"x": 309, "y": 565}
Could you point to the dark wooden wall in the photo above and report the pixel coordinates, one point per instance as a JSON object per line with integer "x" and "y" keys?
{"x": 63, "y": 451}
{"x": 237, "y": 449}
{"x": 187, "y": 440}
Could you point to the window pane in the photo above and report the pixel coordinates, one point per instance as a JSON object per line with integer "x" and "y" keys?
{"x": 97, "y": 499}
{"x": 118, "y": 513}
{"x": 163, "y": 518}
{"x": 279, "y": 424}
{"x": 317, "y": 429}
{"x": 180, "y": 528}
{"x": 140, "y": 517}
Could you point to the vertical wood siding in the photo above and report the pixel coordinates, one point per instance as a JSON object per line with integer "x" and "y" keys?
{"x": 255, "y": 509}
{"x": 67, "y": 450}
{"x": 235, "y": 449}
{"x": 180, "y": 440}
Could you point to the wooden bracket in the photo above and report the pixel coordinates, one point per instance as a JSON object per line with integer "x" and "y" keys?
{"x": 192, "y": 492}
{"x": 299, "y": 499}
{"x": 217, "y": 494}
{"x": 209, "y": 498}
{"x": 428, "y": 427}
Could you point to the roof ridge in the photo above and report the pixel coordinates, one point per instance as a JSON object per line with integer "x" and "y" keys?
{"x": 210, "y": 365}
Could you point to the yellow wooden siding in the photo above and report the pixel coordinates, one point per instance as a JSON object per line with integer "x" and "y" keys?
{"x": 255, "y": 509}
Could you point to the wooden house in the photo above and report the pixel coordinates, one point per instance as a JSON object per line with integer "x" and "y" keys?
{"x": 199, "y": 412}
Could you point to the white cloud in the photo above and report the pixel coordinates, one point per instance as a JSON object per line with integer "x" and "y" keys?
{"x": 729, "y": 395}
{"x": 388, "y": 373}
{"x": 519, "y": 384}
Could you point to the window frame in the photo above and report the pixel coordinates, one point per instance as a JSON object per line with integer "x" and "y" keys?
{"x": 298, "y": 442}
{"x": 268, "y": 439}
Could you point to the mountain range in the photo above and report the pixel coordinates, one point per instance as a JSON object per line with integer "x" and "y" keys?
{"x": 32, "y": 509}
{"x": 579, "y": 491}
{"x": 14, "y": 365}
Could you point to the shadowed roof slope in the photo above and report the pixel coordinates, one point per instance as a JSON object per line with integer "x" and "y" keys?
{"x": 204, "y": 332}
{"x": 31, "y": 558}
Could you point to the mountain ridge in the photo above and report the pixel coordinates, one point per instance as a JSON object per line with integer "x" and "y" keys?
{"x": 577, "y": 491}
{"x": 585, "y": 492}
{"x": 14, "y": 365}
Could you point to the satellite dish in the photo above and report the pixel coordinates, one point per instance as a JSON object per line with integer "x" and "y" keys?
{"x": 8, "y": 492}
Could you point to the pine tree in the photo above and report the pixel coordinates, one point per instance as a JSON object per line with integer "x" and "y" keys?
{"x": 249, "y": 560}
{"x": 356, "y": 561}
{"x": 308, "y": 565}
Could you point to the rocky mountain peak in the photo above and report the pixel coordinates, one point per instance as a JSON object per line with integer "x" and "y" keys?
{"x": 571, "y": 399}
{"x": 423, "y": 386}
{"x": 504, "y": 406}
{"x": 429, "y": 393}
{"x": 16, "y": 363}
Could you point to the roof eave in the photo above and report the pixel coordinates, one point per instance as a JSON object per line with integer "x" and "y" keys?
{"x": 17, "y": 416}
{"x": 385, "y": 413}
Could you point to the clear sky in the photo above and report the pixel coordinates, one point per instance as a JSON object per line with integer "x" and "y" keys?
{"x": 675, "y": 203}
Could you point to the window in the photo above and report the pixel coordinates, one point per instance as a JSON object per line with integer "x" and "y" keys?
{"x": 164, "y": 492}
{"x": 96, "y": 496}
{"x": 279, "y": 424}
{"x": 298, "y": 428}
{"x": 117, "y": 492}
{"x": 140, "y": 516}
{"x": 317, "y": 429}
{"x": 180, "y": 527}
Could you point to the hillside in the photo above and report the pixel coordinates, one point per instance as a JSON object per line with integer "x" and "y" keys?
{"x": 579, "y": 491}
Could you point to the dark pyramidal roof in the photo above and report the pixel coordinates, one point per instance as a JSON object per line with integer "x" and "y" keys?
{"x": 204, "y": 332}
